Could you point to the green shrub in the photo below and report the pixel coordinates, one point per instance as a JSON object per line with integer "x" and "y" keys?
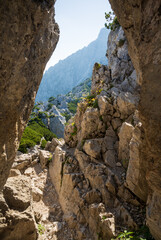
{"x": 42, "y": 115}
{"x": 72, "y": 106}
{"x": 29, "y": 139}
{"x": 51, "y": 99}
{"x": 97, "y": 66}
{"x": 112, "y": 21}
{"x": 37, "y": 125}
{"x": 90, "y": 97}
{"x": 141, "y": 234}
{"x": 43, "y": 143}
{"x": 33, "y": 133}
{"x": 41, "y": 229}
{"x": 49, "y": 106}
{"x": 74, "y": 131}
{"x": 95, "y": 103}
{"x": 92, "y": 101}
{"x": 121, "y": 42}
{"x": 66, "y": 115}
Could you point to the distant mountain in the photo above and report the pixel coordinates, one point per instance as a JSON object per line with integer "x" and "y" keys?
{"x": 71, "y": 71}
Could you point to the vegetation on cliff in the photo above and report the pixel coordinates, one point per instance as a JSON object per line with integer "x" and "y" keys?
{"x": 112, "y": 21}
{"x": 33, "y": 134}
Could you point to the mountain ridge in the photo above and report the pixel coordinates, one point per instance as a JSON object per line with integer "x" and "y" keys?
{"x": 68, "y": 73}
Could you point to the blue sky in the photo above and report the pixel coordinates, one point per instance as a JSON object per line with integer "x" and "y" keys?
{"x": 80, "y": 22}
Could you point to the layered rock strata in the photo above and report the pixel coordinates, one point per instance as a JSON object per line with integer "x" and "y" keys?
{"x": 90, "y": 173}
{"x": 141, "y": 21}
{"x": 28, "y": 36}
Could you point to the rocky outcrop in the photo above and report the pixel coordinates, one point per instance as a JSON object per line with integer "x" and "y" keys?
{"x": 28, "y": 36}
{"x": 141, "y": 21}
{"x": 29, "y": 207}
{"x": 90, "y": 172}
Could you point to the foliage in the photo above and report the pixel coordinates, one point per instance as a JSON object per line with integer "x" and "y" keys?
{"x": 101, "y": 118}
{"x": 112, "y": 21}
{"x": 37, "y": 125}
{"x": 72, "y": 106}
{"x": 125, "y": 235}
{"x": 83, "y": 88}
{"x": 99, "y": 91}
{"x": 99, "y": 236}
{"x": 74, "y": 130}
{"x": 49, "y": 106}
{"x": 121, "y": 42}
{"x": 51, "y": 99}
{"x": 142, "y": 234}
{"x": 66, "y": 115}
{"x": 95, "y": 104}
{"x": 41, "y": 229}
{"x": 97, "y": 66}
{"x": 92, "y": 101}
{"x": 36, "y": 108}
{"x": 42, "y": 114}
{"x": 43, "y": 143}
{"x": 33, "y": 133}
{"x": 29, "y": 139}
{"x": 49, "y": 160}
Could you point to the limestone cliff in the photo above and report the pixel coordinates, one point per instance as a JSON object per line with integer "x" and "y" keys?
{"x": 91, "y": 173}
{"x": 141, "y": 21}
{"x": 28, "y": 36}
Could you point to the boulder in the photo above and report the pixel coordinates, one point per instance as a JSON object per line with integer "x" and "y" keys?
{"x": 126, "y": 103}
{"x": 50, "y": 146}
{"x": 17, "y": 192}
{"x": 45, "y": 157}
{"x": 36, "y": 194}
{"x": 16, "y": 210}
{"x": 92, "y": 147}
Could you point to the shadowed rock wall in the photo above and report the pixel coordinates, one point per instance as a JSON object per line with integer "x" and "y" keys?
{"x": 28, "y": 36}
{"x": 141, "y": 21}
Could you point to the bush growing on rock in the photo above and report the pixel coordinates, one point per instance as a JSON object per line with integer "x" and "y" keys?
{"x": 112, "y": 21}
{"x": 72, "y": 106}
{"x": 43, "y": 143}
{"x": 49, "y": 106}
{"x": 37, "y": 125}
{"x": 33, "y": 133}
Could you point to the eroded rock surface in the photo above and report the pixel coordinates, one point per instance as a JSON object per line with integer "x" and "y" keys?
{"x": 141, "y": 21}
{"x": 89, "y": 172}
{"x": 28, "y": 36}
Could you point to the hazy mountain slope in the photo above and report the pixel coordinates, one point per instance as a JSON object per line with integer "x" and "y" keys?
{"x": 69, "y": 72}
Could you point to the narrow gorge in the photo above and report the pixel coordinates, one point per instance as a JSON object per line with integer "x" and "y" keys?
{"x": 103, "y": 178}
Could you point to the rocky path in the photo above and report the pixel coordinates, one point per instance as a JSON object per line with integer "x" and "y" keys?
{"x": 30, "y": 197}
{"x": 47, "y": 210}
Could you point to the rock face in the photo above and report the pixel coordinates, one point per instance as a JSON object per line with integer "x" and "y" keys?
{"x": 141, "y": 21}
{"x": 28, "y": 36}
{"x": 89, "y": 172}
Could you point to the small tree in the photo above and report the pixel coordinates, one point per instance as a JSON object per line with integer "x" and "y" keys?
{"x": 112, "y": 21}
